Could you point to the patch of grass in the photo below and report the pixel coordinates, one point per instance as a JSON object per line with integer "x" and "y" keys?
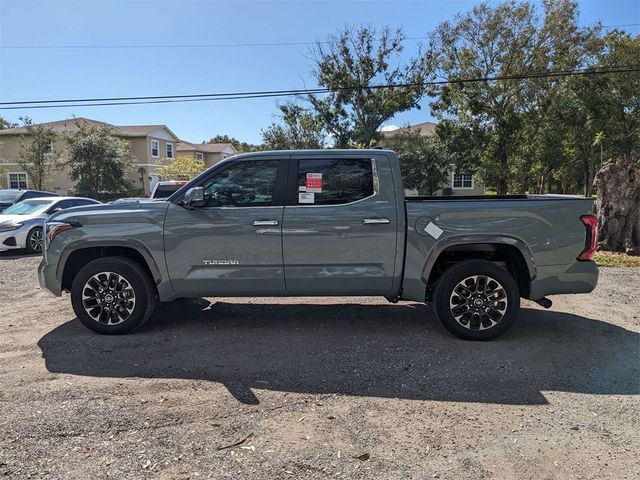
{"x": 611, "y": 259}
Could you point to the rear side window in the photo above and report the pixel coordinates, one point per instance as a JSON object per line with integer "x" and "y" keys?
{"x": 335, "y": 181}
{"x": 244, "y": 184}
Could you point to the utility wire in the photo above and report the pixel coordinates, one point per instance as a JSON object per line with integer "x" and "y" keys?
{"x": 95, "y": 102}
{"x": 192, "y": 45}
{"x": 205, "y": 45}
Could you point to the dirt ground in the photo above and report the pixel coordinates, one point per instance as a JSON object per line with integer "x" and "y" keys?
{"x": 319, "y": 388}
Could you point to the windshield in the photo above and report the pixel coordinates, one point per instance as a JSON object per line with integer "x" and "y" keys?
{"x": 9, "y": 196}
{"x": 28, "y": 207}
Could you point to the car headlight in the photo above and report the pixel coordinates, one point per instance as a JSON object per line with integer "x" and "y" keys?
{"x": 56, "y": 228}
{"x": 7, "y": 227}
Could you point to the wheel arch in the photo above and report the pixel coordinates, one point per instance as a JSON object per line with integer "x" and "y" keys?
{"x": 509, "y": 251}
{"x": 75, "y": 257}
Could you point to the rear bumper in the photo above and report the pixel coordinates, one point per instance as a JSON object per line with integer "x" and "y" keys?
{"x": 579, "y": 277}
{"x": 48, "y": 279}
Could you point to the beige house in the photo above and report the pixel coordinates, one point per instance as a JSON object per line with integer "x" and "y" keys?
{"x": 209, "y": 153}
{"x": 460, "y": 183}
{"x": 152, "y": 146}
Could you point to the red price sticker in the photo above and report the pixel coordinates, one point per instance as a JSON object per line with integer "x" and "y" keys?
{"x": 314, "y": 182}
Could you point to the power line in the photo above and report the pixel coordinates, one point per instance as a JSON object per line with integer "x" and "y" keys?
{"x": 191, "y": 45}
{"x": 205, "y": 45}
{"x": 622, "y": 25}
{"x": 144, "y": 100}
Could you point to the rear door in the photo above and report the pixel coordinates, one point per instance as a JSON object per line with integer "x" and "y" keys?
{"x": 232, "y": 245}
{"x": 340, "y": 226}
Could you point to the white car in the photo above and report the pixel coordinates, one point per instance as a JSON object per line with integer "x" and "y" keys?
{"x": 21, "y": 225}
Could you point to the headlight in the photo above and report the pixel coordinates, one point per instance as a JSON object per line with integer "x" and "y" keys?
{"x": 55, "y": 228}
{"x": 10, "y": 226}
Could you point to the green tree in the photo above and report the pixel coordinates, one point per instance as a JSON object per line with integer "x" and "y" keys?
{"x": 99, "y": 161}
{"x": 488, "y": 117}
{"x": 237, "y": 144}
{"x": 352, "y": 61}
{"x": 6, "y": 124}
{"x": 423, "y": 160}
{"x": 182, "y": 168}
{"x": 37, "y": 154}
{"x": 300, "y": 129}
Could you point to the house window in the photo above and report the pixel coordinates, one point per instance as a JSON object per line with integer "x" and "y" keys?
{"x": 155, "y": 148}
{"x": 199, "y": 156}
{"x": 17, "y": 180}
{"x": 169, "y": 150}
{"x": 462, "y": 181}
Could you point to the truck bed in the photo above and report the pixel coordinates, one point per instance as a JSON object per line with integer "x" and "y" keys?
{"x": 545, "y": 228}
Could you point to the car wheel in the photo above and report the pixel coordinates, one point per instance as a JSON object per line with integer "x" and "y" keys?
{"x": 35, "y": 240}
{"x": 112, "y": 295}
{"x": 477, "y": 300}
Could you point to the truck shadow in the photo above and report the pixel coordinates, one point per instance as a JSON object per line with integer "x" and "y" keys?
{"x": 388, "y": 351}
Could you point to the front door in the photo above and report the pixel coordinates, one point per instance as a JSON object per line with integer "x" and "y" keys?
{"x": 233, "y": 244}
{"x": 340, "y": 227}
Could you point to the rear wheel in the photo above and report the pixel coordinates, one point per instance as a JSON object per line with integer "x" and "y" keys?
{"x": 112, "y": 295}
{"x": 477, "y": 300}
{"x": 35, "y": 240}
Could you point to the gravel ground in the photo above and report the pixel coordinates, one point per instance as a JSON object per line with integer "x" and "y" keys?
{"x": 318, "y": 388}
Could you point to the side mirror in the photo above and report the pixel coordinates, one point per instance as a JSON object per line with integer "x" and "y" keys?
{"x": 194, "y": 197}
{"x": 54, "y": 210}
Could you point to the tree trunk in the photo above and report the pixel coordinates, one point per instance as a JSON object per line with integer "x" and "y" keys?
{"x": 618, "y": 206}
{"x": 503, "y": 158}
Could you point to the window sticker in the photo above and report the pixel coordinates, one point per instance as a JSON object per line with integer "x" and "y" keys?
{"x": 306, "y": 197}
{"x": 302, "y": 188}
{"x": 314, "y": 183}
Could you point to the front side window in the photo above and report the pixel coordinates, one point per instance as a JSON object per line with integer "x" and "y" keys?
{"x": 335, "y": 181}
{"x": 245, "y": 184}
{"x": 462, "y": 180}
{"x": 17, "y": 180}
{"x": 169, "y": 150}
{"x": 155, "y": 148}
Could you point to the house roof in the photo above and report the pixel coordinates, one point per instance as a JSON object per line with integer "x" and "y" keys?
{"x": 70, "y": 124}
{"x": 425, "y": 129}
{"x": 203, "y": 147}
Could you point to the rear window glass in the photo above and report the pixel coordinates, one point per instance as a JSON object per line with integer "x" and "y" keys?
{"x": 335, "y": 181}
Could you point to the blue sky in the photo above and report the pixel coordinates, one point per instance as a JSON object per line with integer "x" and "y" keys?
{"x": 34, "y": 74}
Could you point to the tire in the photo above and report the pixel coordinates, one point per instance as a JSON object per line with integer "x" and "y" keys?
{"x": 113, "y": 295}
{"x": 476, "y": 300}
{"x": 35, "y": 240}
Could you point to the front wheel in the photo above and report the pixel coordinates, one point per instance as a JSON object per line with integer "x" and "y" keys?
{"x": 35, "y": 240}
{"x": 476, "y": 300}
{"x": 112, "y": 295}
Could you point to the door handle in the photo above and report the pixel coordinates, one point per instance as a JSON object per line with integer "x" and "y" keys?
{"x": 265, "y": 223}
{"x": 375, "y": 221}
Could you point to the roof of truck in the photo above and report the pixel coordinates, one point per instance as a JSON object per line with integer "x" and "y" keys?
{"x": 321, "y": 151}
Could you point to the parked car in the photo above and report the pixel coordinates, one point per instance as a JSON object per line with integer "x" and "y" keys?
{"x": 10, "y": 196}
{"x": 323, "y": 222}
{"x": 166, "y": 189}
{"x": 22, "y": 224}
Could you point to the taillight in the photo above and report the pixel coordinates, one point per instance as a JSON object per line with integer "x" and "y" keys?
{"x": 590, "y": 243}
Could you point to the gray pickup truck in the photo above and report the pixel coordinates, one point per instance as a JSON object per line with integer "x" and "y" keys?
{"x": 325, "y": 222}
